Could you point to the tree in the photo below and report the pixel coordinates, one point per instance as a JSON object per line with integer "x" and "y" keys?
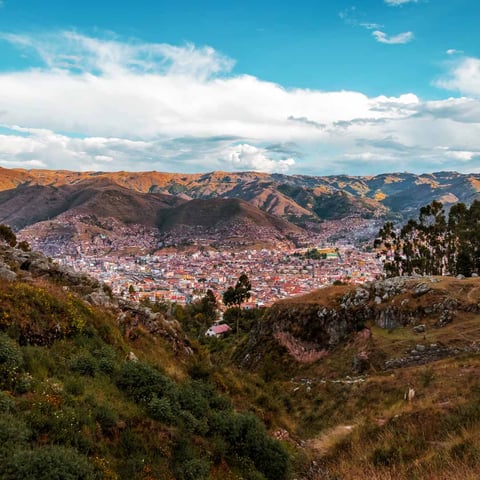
{"x": 208, "y": 305}
{"x": 235, "y": 296}
{"x": 7, "y": 235}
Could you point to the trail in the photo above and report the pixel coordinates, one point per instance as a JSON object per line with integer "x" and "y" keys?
{"x": 328, "y": 438}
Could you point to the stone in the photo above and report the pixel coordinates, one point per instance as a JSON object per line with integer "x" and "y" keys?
{"x": 474, "y": 275}
{"x": 131, "y": 357}
{"x": 419, "y": 329}
{"x": 7, "y": 274}
{"x": 378, "y": 300}
{"x": 420, "y": 348}
{"x": 421, "y": 289}
{"x": 460, "y": 277}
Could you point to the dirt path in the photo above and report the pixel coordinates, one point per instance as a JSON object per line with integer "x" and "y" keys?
{"x": 469, "y": 294}
{"x": 328, "y": 438}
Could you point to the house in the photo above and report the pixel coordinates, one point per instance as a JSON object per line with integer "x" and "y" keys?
{"x": 217, "y": 330}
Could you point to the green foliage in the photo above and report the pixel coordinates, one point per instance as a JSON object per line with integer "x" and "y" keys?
{"x": 7, "y": 235}
{"x": 106, "y": 417}
{"x": 84, "y": 364}
{"x": 161, "y": 409}
{"x": 434, "y": 244}
{"x": 143, "y": 382}
{"x": 47, "y": 463}
{"x": 11, "y": 361}
{"x": 238, "y": 294}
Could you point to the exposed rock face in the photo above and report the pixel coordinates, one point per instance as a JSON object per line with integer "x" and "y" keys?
{"x": 318, "y": 322}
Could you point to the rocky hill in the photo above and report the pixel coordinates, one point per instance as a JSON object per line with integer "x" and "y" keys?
{"x": 310, "y": 327}
{"x": 384, "y": 376}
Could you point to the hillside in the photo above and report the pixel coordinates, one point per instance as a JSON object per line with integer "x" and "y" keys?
{"x": 26, "y": 205}
{"x": 295, "y": 197}
{"x": 95, "y": 388}
{"x": 224, "y": 221}
{"x": 349, "y": 357}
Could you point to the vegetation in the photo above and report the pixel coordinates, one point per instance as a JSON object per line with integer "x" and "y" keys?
{"x": 7, "y": 235}
{"x": 435, "y": 244}
{"x": 72, "y": 407}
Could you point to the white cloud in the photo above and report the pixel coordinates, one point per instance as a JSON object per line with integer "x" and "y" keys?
{"x": 453, "y": 51}
{"x": 249, "y": 157}
{"x": 464, "y": 77}
{"x": 135, "y": 106}
{"x": 401, "y": 38}
{"x": 396, "y": 3}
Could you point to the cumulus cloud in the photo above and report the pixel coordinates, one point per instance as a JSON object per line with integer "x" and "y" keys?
{"x": 401, "y": 38}
{"x": 464, "y": 77}
{"x": 249, "y": 157}
{"x": 108, "y": 104}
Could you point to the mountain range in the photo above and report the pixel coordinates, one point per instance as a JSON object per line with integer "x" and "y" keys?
{"x": 206, "y": 204}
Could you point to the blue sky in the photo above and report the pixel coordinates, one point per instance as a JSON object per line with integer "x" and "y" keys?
{"x": 311, "y": 87}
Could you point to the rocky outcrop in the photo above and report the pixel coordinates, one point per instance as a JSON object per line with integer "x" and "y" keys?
{"x": 319, "y": 322}
{"x": 17, "y": 264}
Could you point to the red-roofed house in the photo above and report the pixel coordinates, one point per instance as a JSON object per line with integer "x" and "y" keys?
{"x": 217, "y": 330}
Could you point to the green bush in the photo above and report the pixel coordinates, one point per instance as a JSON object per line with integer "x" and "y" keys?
{"x": 11, "y": 361}
{"x": 106, "y": 417}
{"x": 84, "y": 364}
{"x": 48, "y": 463}
{"x": 7, "y": 403}
{"x": 161, "y": 409}
{"x": 143, "y": 382}
{"x": 14, "y": 434}
{"x": 74, "y": 386}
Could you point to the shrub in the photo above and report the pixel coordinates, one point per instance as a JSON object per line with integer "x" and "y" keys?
{"x": 84, "y": 364}
{"x": 142, "y": 382}
{"x": 74, "y": 386}
{"x": 48, "y": 463}
{"x": 106, "y": 417}
{"x": 24, "y": 384}
{"x": 11, "y": 360}
{"x": 7, "y": 404}
{"x": 194, "y": 469}
{"x": 160, "y": 409}
{"x": 7, "y": 235}
{"x": 13, "y": 434}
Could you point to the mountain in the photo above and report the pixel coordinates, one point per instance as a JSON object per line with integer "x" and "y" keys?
{"x": 28, "y": 204}
{"x": 297, "y": 198}
{"x": 224, "y": 220}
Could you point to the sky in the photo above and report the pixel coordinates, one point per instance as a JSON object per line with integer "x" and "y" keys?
{"x": 316, "y": 87}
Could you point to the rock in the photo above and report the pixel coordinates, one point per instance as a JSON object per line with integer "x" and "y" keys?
{"x": 445, "y": 318}
{"x": 419, "y": 329}
{"x": 421, "y": 289}
{"x": 378, "y": 300}
{"x": 474, "y": 275}
{"x": 131, "y": 357}
{"x": 7, "y": 274}
{"x": 420, "y": 348}
{"x": 460, "y": 276}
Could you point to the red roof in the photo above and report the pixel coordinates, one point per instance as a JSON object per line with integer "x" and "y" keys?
{"x": 218, "y": 329}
